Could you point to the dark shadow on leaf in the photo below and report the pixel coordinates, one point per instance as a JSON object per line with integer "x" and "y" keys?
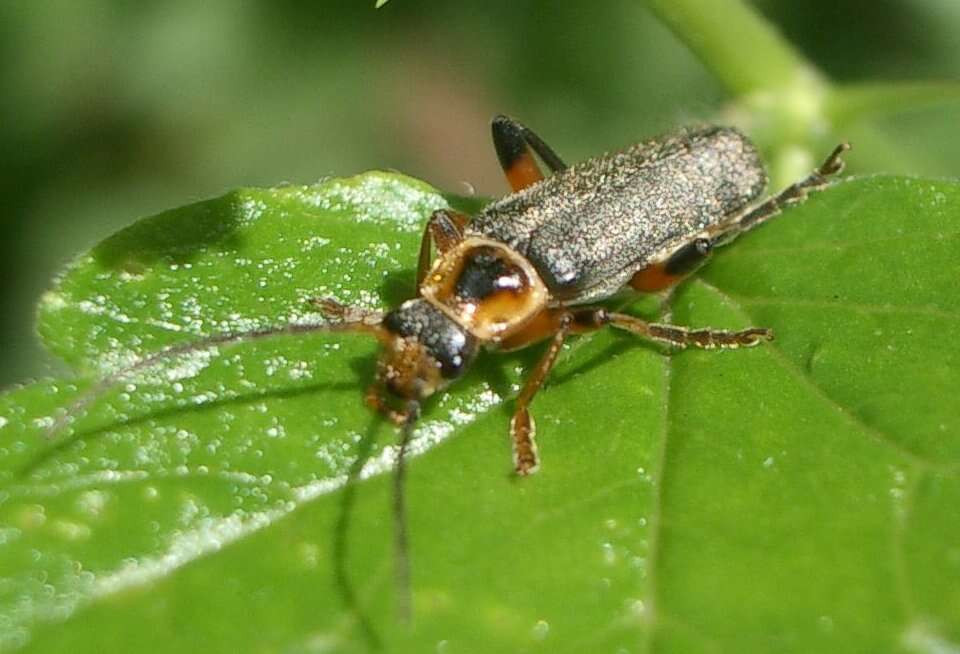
{"x": 398, "y": 286}
{"x": 86, "y": 434}
{"x": 625, "y": 342}
{"x": 344, "y": 587}
{"x": 174, "y": 237}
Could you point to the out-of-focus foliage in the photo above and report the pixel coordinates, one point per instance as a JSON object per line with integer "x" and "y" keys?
{"x": 113, "y": 110}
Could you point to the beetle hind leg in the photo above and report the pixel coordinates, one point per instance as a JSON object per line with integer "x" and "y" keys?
{"x": 516, "y": 145}
{"x": 793, "y": 194}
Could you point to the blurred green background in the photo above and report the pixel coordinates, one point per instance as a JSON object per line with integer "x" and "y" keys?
{"x": 111, "y": 110}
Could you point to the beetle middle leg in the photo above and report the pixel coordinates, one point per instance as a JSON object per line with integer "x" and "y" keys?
{"x": 522, "y": 426}
{"x": 516, "y": 144}
{"x": 559, "y": 323}
{"x": 708, "y": 339}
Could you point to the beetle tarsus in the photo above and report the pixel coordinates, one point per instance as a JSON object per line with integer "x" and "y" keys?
{"x": 523, "y": 429}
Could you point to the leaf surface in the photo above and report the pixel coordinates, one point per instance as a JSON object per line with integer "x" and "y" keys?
{"x": 799, "y": 496}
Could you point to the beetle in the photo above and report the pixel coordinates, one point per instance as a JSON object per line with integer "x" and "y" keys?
{"x": 534, "y": 265}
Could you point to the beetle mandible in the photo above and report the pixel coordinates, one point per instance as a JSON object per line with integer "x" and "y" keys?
{"x": 533, "y": 265}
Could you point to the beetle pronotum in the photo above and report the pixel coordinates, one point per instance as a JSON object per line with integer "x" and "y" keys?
{"x": 533, "y": 265}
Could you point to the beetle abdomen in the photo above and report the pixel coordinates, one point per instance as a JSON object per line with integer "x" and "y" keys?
{"x": 588, "y": 228}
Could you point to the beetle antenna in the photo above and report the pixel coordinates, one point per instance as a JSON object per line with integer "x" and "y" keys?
{"x": 369, "y": 323}
{"x": 400, "y": 547}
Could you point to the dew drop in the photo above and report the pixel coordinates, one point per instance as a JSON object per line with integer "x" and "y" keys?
{"x": 541, "y": 630}
{"x": 609, "y": 554}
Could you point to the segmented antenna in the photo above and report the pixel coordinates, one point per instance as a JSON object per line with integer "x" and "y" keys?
{"x": 87, "y": 397}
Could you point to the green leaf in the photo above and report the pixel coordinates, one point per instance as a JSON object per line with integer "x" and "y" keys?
{"x": 798, "y": 496}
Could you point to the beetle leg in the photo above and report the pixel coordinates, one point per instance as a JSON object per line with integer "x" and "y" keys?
{"x": 793, "y": 194}
{"x": 522, "y": 426}
{"x": 587, "y": 319}
{"x": 707, "y": 339}
{"x": 345, "y": 315}
{"x": 514, "y": 143}
{"x": 664, "y": 274}
{"x": 445, "y": 228}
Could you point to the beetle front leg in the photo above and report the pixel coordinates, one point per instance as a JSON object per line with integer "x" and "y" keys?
{"x": 522, "y": 426}
{"x": 445, "y": 228}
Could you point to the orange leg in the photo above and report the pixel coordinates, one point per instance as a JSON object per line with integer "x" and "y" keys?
{"x": 523, "y": 429}
{"x": 516, "y": 145}
{"x": 558, "y": 323}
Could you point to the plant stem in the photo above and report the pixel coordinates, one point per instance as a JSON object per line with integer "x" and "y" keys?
{"x": 739, "y": 46}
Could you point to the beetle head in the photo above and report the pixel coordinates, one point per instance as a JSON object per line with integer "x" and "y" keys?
{"x": 424, "y": 350}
